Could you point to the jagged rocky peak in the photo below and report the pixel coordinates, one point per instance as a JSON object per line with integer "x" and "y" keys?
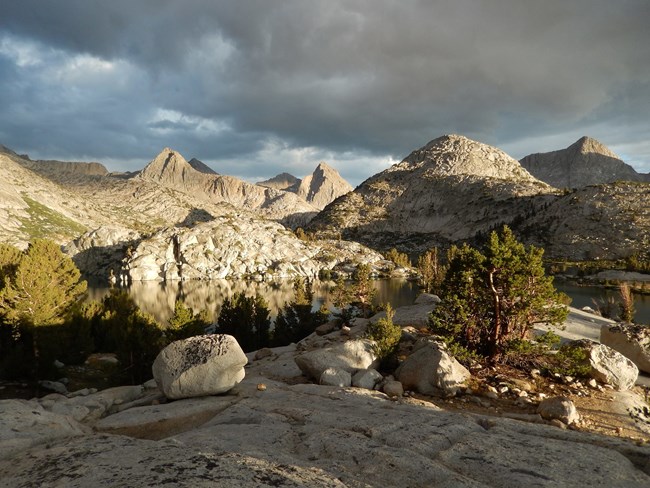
{"x": 323, "y": 186}
{"x": 585, "y": 162}
{"x": 283, "y": 181}
{"x": 168, "y": 167}
{"x": 201, "y": 167}
{"x": 452, "y": 155}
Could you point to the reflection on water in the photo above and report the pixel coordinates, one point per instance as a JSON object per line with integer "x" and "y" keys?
{"x": 158, "y": 298}
{"x": 584, "y": 296}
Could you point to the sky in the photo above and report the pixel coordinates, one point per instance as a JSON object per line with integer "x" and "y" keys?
{"x": 254, "y": 88}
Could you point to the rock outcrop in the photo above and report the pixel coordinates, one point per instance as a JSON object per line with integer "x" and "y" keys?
{"x": 238, "y": 246}
{"x": 100, "y": 252}
{"x": 306, "y": 435}
{"x": 199, "y": 366}
{"x": 323, "y": 186}
{"x": 585, "y": 162}
{"x": 272, "y": 429}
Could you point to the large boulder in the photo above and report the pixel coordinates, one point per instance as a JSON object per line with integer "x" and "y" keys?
{"x": 199, "y": 366}
{"x": 348, "y": 356}
{"x": 607, "y": 365}
{"x": 631, "y": 340}
{"x": 430, "y": 370}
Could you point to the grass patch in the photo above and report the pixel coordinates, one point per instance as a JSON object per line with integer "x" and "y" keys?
{"x": 43, "y": 222}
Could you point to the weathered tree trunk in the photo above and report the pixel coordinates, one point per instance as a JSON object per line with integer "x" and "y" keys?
{"x": 496, "y": 330}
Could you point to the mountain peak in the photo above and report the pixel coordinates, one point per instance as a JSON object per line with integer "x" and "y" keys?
{"x": 168, "y": 167}
{"x": 586, "y": 145}
{"x": 585, "y": 162}
{"x": 458, "y": 155}
{"x": 323, "y": 186}
{"x": 201, "y": 167}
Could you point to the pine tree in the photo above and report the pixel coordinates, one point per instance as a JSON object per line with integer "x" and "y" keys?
{"x": 247, "y": 319}
{"x": 492, "y": 297}
{"x": 364, "y": 290}
{"x": 41, "y": 289}
{"x": 431, "y": 271}
{"x": 185, "y": 323}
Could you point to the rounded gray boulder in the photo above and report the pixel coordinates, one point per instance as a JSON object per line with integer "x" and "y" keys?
{"x": 199, "y": 366}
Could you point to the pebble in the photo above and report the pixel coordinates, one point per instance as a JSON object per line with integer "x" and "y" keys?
{"x": 593, "y": 383}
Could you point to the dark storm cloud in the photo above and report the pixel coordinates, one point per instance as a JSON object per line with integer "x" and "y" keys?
{"x": 252, "y": 82}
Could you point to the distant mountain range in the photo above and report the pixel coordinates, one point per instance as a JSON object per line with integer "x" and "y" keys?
{"x": 320, "y": 188}
{"x": 454, "y": 189}
{"x": 451, "y": 190}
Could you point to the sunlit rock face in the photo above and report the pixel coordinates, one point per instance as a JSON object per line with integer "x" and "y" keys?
{"x": 238, "y": 247}
{"x": 449, "y": 190}
{"x": 585, "y": 162}
{"x": 171, "y": 170}
{"x": 323, "y": 186}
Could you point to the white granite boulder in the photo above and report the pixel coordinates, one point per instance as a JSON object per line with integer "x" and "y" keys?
{"x": 607, "y": 365}
{"x": 199, "y": 366}
{"x": 631, "y": 340}
{"x": 430, "y": 370}
{"x": 349, "y": 356}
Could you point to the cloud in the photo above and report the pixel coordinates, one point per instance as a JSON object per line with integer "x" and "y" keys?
{"x": 253, "y": 82}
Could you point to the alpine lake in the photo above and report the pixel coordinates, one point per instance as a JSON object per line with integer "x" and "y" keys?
{"x": 158, "y": 298}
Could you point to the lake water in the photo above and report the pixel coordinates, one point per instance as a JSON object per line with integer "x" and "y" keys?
{"x": 158, "y": 298}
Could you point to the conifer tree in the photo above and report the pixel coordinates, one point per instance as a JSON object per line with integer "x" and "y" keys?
{"x": 364, "y": 290}
{"x": 185, "y": 323}
{"x": 247, "y": 319}
{"x": 41, "y": 289}
{"x": 492, "y": 297}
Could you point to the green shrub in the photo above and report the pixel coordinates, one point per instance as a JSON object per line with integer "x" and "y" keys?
{"x": 385, "y": 333}
{"x": 399, "y": 258}
{"x": 571, "y": 361}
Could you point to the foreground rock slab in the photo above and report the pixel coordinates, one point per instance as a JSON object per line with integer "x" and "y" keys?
{"x": 311, "y": 435}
